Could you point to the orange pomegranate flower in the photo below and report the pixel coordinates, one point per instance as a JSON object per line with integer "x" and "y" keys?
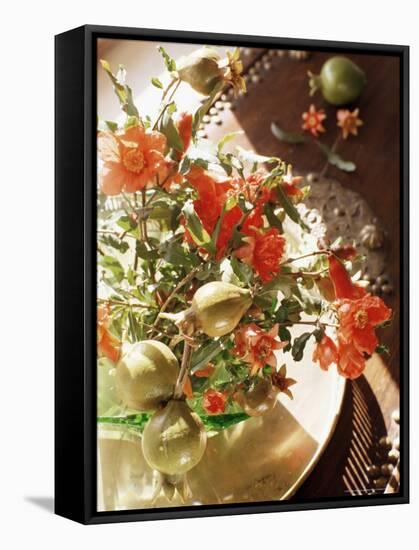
{"x": 257, "y": 347}
{"x": 313, "y": 120}
{"x": 349, "y": 122}
{"x": 214, "y": 402}
{"x": 108, "y": 345}
{"x": 209, "y": 207}
{"x": 132, "y": 159}
{"x": 263, "y": 251}
{"x": 184, "y": 127}
{"x": 351, "y": 362}
{"x": 358, "y": 319}
{"x": 326, "y": 353}
{"x": 342, "y": 282}
{"x": 290, "y": 183}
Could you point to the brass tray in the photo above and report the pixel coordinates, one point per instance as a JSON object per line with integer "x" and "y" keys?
{"x": 261, "y": 459}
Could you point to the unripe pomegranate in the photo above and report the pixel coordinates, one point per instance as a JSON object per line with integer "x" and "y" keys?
{"x": 174, "y": 439}
{"x": 218, "y": 307}
{"x": 259, "y": 399}
{"x": 200, "y": 70}
{"x": 146, "y": 375}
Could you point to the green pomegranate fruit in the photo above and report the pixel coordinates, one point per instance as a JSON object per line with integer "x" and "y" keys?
{"x": 259, "y": 399}
{"x": 174, "y": 439}
{"x": 146, "y": 375}
{"x": 340, "y": 81}
{"x": 218, "y": 307}
{"x": 200, "y": 70}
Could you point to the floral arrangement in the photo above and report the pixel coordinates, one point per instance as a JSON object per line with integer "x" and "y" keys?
{"x": 204, "y": 267}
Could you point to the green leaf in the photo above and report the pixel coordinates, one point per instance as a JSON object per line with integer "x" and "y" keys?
{"x": 289, "y": 208}
{"x": 335, "y": 159}
{"x": 205, "y": 354}
{"x": 169, "y": 61}
{"x": 199, "y": 113}
{"x": 113, "y": 265}
{"x": 128, "y": 224}
{"x": 144, "y": 253}
{"x": 272, "y": 218}
{"x": 281, "y": 282}
{"x": 213, "y": 422}
{"x": 228, "y": 137}
{"x": 110, "y": 240}
{"x": 175, "y": 254}
{"x": 243, "y": 271}
{"x": 285, "y": 336}
{"x": 156, "y": 82}
{"x": 122, "y": 90}
{"x": 299, "y": 345}
{"x": 251, "y": 156}
{"x": 113, "y": 126}
{"x": 382, "y": 349}
{"x": 287, "y": 137}
{"x": 197, "y": 231}
{"x": 168, "y": 128}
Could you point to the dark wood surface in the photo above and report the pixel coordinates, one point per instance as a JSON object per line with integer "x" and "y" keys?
{"x": 278, "y": 91}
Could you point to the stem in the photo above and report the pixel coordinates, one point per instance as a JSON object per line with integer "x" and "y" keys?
{"x": 116, "y": 233}
{"x": 124, "y": 304}
{"x": 312, "y": 323}
{"x": 311, "y": 274}
{"x": 183, "y": 373}
{"x": 180, "y": 284}
{"x": 163, "y": 110}
{"x": 315, "y": 253}
{"x": 333, "y": 149}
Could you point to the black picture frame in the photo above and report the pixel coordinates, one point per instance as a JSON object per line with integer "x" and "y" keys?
{"x": 75, "y": 273}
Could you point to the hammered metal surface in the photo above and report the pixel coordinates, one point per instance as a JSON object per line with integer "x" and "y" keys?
{"x": 346, "y": 214}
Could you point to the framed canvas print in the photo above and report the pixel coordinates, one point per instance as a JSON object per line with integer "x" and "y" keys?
{"x": 231, "y": 274}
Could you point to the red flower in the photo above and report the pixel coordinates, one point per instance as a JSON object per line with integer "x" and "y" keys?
{"x": 257, "y": 347}
{"x": 345, "y": 252}
{"x": 313, "y": 120}
{"x": 108, "y": 345}
{"x": 326, "y": 353}
{"x": 209, "y": 207}
{"x": 132, "y": 159}
{"x": 342, "y": 282}
{"x": 351, "y": 362}
{"x": 184, "y": 127}
{"x": 230, "y": 220}
{"x": 214, "y": 402}
{"x": 253, "y": 221}
{"x": 349, "y": 122}
{"x": 290, "y": 183}
{"x": 253, "y": 190}
{"x": 358, "y": 319}
{"x": 263, "y": 251}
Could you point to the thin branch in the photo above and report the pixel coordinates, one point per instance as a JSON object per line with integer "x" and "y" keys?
{"x": 180, "y": 284}
{"x": 183, "y": 373}
{"x": 163, "y": 110}
{"x": 125, "y": 304}
{"x": 315, "y": 253}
